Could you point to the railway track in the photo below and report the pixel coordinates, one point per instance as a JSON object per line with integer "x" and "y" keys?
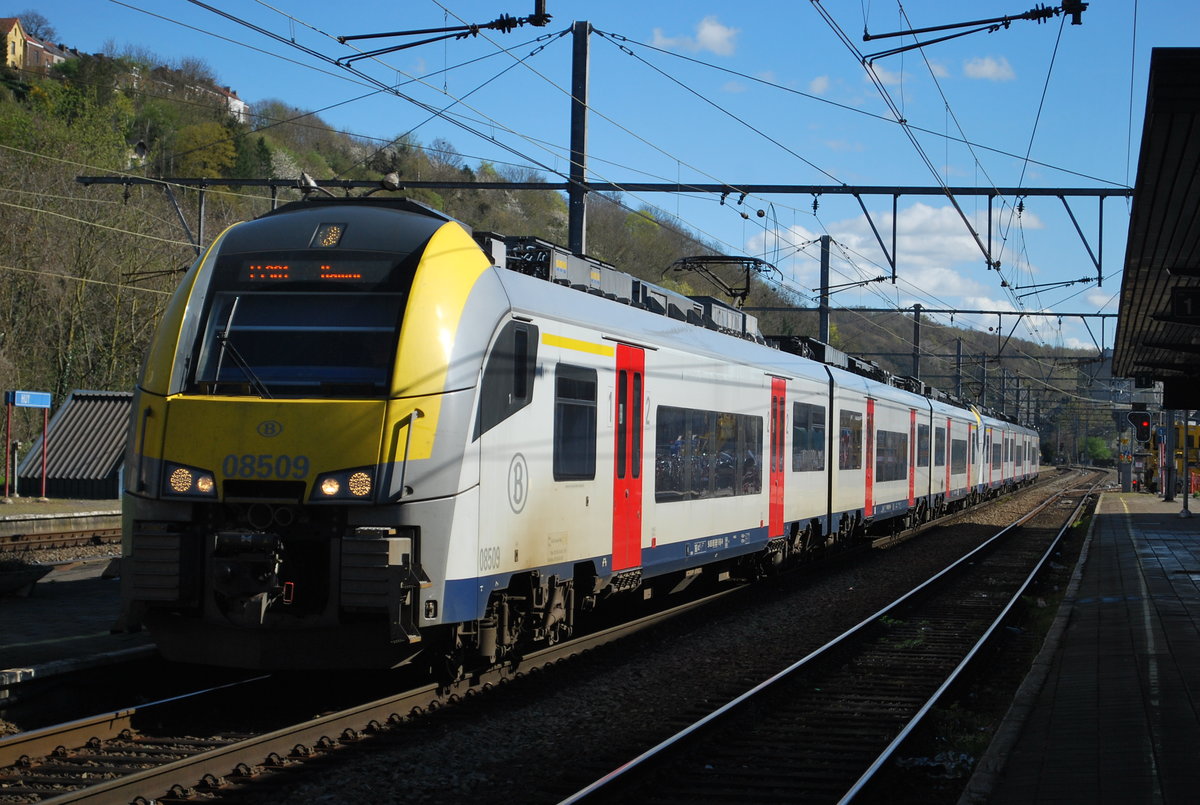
{"x": 153, "y": 752}
{"x": 822, "y": 729}
{"x": 73, "y": 538}
{"x": 190, "y": 763}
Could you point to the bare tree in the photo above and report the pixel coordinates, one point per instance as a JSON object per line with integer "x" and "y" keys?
{"x": 37, "y": 25}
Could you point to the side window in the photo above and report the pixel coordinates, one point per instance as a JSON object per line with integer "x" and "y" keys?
{"x": 939, "y": 447}
{"x": 891, "y": 455}
{"x": 574, "y": 423}
{"x": 507, "y": 384}
{"x": 808, "y": 437}
{"x": 850, "y": 441}
{"x": 958, "y": 456}
{"x": 705, "y": 454}
{"x": 922, "y": 445}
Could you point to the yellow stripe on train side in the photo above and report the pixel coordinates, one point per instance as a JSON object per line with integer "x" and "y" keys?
{"x": 551, "y": 340}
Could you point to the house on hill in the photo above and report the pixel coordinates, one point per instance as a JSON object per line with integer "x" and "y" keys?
{"x": 40, "y": 55}
{"x": 14, "y": 42}
{"x": 179, "y": 82}
{"x": 238, "y": 109}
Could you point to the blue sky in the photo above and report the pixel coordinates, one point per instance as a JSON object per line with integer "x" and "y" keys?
{"x": 751, "y": 93}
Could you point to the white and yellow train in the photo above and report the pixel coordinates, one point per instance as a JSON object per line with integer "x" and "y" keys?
{"x": 363, "y": 437}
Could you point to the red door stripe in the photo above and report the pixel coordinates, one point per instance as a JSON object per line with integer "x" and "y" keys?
{"x": 912, "y": 456}
{"x": 778, "y": 418}
{"x": 869, "y": 461}
{"x": 627, "y": 449}
{"x": 949, "y": 453}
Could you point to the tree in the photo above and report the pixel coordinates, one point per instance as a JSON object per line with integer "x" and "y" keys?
{"x": 37, "y": 25}
{"x": 204, "y": 149}
{"x": 1096, "y": 449}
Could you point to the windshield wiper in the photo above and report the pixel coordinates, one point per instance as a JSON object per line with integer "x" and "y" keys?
{"x": 227, "y": 346}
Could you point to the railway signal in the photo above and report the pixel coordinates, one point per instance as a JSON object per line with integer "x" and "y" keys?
{"x": 1141, "y": 425}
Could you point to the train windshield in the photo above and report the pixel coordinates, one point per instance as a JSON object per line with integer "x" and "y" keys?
{"x": 296, "y": 324}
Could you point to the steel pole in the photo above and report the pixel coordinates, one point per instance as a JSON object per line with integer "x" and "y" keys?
{"x": 577, "y": 193}
{"x": 823, "y": 332}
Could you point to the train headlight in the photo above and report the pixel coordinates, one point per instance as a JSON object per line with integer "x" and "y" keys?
{"x": 356, "y": 483}
{"x": 359, "y": 484}
{"x": 188, "y": 482}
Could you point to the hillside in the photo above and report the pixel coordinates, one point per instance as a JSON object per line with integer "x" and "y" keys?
{"x": 88, "y": 270}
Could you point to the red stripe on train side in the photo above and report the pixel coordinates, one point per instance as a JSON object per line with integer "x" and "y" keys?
{"x": 949, "y": 453}
{"x": 869, "y": 461}
{"x": 778, "y": 420}
{"x": 912, "y": 456}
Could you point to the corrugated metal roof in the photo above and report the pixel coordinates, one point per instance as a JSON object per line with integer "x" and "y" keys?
{"x": 1162, "y": 256}
{"x": 86, "y": 447}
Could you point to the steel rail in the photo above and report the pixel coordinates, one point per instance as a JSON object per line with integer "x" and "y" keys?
{"x": 39, "y": 742}
{"x": 925, "y": 709}
{"x": 293, "y": 742}
{"x": 629, "y": 766}
{"x": 34, "y": 541}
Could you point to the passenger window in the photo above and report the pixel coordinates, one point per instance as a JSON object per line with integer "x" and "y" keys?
{"x": 507, "y": 385}
{"x": 850, "y": 441}
{"x": 574, "y": 423}
{"x": 922, "y": 445}
{"x": 808, "y": 437}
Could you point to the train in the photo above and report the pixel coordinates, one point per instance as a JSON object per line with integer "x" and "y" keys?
{"x": 366, "y": 436}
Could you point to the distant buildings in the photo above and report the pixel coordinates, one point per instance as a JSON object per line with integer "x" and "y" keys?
{"x": 14, "y": 42}
{"x": 41, "y": 56}
{"x": 23, "y": 51}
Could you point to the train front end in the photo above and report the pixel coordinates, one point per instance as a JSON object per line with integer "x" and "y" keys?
{"x": 295, "y": 458}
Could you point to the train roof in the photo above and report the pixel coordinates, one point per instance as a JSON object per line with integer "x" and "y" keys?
{"x": 546, "y": 261}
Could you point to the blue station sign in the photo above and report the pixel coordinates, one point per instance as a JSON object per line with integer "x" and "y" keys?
{"x": 27, "y": 399}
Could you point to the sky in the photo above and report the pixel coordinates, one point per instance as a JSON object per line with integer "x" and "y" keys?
{"x": 757, "y": 93}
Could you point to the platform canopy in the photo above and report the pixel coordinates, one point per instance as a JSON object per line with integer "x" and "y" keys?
{"x": 1158, "y": 322}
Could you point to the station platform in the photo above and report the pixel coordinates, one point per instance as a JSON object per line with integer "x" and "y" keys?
{"x": 63, "y": 622}
{"x": 1111, "y": 711}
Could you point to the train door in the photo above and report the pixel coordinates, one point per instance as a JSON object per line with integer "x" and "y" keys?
{"x": 869, "y": 461}
{"x": 971, "y": 451}
{"x": 912, "y": 457}
{"x": 988, "y": 438}
{"x": 778, "y": 426}
{"x": 948, "y": 455}
{"x": 627, "y": 470}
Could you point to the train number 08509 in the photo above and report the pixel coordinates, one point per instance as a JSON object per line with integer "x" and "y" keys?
{"x": 264, "y": 465}
{"x": 489, "y": 558}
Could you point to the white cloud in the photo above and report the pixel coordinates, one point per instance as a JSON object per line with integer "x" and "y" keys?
{"x": 938, "y": 262}
{"x": 989, "y": 69}
{"x": 941, "y": 281}
{"x": 733, "y": 86}
{"x": 885, "y": 76}
{"x": 819, "y": 85}
{"x": 710, "y": 36}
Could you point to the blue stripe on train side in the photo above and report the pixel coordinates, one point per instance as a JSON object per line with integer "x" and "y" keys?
{"x": 464, "y": 602}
